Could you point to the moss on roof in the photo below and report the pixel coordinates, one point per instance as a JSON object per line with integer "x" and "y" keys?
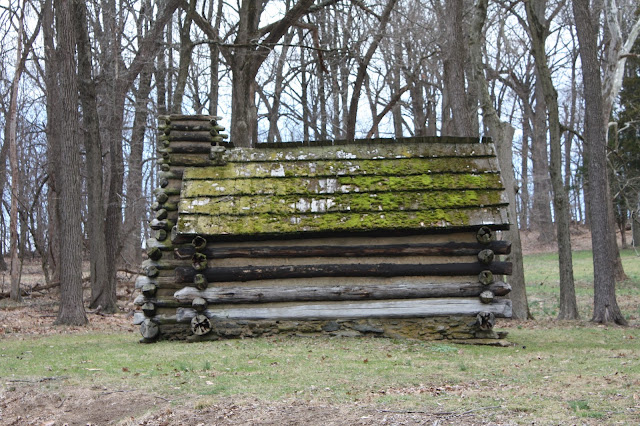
{"x": 377, "y": 187}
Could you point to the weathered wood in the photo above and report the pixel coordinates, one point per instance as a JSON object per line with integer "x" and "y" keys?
{"x": 415, "y": 308}
{"x": 200, "y": 282}
{"x": 428, "y": 221}
{"x": 337, "y": 292}
{"x": 486, "y": 256}
{"x": 178, "y": 118}
{"x": 251, "y": 273}
{"x": 486, "y": 277}
{"x": 388, "y": 250}
{"x": 200, "y": 325}
{"x": 485, "y": 235}
{"x": 303, "y": 186}
{"x": 354, "y": 202}
{"x": 156, "y": 224}
{"x": 154, "y": 253}
{"x": 199, "y": 304}
{"x": 139, "y": 318}
{"x": 149, "y": 309}
{"x": 189, "y": 142}
{"x": 486, "y": 296}
{"x": 149, "y": 289}
{"x": 199, "y": 243}
{"x": 350, "y": 167}
{"x": 149, "y": 329}
{"x": 164, "y": 264}
{"x": 158, "y": 302}
{"x": 374, "y": 151}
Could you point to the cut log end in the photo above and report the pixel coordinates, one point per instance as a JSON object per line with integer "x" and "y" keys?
{"x": 200, "y": 325}
{"x": 149, "y": 329}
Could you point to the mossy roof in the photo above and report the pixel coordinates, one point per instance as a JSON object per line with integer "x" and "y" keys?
{"x": 400, "y": 186}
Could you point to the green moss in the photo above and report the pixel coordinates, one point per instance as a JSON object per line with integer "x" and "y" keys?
{"x": 339, "y": 222}
{"x": 333, "y": 168}
{"x": 344, "y": 185}
{"x": 355, "y": 202}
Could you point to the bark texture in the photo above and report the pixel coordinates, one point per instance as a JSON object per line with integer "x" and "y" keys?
{"x": 606, "y": 307}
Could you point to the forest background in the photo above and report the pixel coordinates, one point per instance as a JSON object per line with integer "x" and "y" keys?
{"x": 556, "y": 84}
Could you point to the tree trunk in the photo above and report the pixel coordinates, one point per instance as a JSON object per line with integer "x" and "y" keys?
{"x": 362, "y": 70}
{"x": 541, "y": 209}
{"x": 136, "y": 203}
{"x": 453, "y": 69}
{"x": 605, "y": 304}
{"x": 71, "y": 304}
{"x": 538, "y": 29}
{"x": 93, "y": 150}
{"x": 11, "y": 132}
{"x": 502, "y": 134}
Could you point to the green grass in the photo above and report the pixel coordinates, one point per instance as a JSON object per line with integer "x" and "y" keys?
{"x": 556, "y": 372}
{"x": 541, "y": 276}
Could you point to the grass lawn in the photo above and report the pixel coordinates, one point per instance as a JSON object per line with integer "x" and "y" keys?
{"x": 555, "y": 373}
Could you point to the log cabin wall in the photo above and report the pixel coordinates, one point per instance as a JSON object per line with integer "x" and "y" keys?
{"x": 388, "y": 238}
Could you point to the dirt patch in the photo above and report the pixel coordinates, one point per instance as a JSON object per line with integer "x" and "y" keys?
{"x": 55, "y": 404}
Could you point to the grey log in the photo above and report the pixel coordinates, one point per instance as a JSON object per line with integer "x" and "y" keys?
{"x": 355, "y": 310}
{"x": 336, "y": 293}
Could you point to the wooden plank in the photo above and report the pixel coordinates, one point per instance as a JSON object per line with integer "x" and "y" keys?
{"x": 139, "y": 317}
{"x": 339, "y": 185}
{"x": 387, "y": 250}
{"x": 331, "y": 223}
{"x": 338, "y": 292}
{"x": 252, "y": 273}
{"x": 353, "y": 202}
{"x": 363, "y": 151}
{"x": 416, "y": 308}
{"x": 333, "y": 168}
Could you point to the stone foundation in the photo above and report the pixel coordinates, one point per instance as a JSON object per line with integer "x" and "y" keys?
{"x": 434, "y": 328}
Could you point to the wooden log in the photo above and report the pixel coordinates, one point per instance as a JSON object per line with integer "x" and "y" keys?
{"x": 486, "y": 277}
{"x": 149, "y": 309}
{"x": 485, "y": 320}
{"x": 149, "y": 289}
{"x": 161, "y": 235}
{"x": 177, "y": 118}
{"x": 166, "y": 224}
{"x": 161, "y": 214}
{"x": 416, "y": 308}
{"x": 163, "y": 264}
{"x": 200, "y": 282}
{"x": 339, "y": 292}
{"x": 154, "y": 253}
{"x": 199, "y": 262}
{"x": 486, "y": 256}
{"x": 485, "y": 235}
{"x": 188, "y": 142}
{"x": 149, "y": 329}
{"x": 486, "y": 296}
{"x": 200, "y": 325}
{"x": 361, "y": 151}
{"x": 199, "y": 304}
{"x": 139, "y": 318}
{"x": 199, "y": 244}
{"x": 251, "y": 273}
{"x": 389, "y": 250}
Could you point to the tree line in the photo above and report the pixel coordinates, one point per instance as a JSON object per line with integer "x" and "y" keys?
{"x": 554, "y": 83}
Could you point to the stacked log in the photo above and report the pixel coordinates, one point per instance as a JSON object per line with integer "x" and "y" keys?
{"x": 201, "y": 287}
{"x": 185, "y": 140}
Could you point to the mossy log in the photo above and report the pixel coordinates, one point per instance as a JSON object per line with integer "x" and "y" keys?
{"x": 362, "y": 151}
{"x": 338, "y": 292}
{"x": 252, "y": 273}
{"x": 415, "y": 308}
{"x": 388, "y": 250}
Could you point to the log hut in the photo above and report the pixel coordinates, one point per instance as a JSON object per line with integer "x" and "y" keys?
{"x": 384, "y": 237}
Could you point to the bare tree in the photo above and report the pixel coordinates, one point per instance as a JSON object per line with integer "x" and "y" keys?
{"x": 502, "y": 133}
{"x": 605, "y": 304}
{"x": 539, "y": 30}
